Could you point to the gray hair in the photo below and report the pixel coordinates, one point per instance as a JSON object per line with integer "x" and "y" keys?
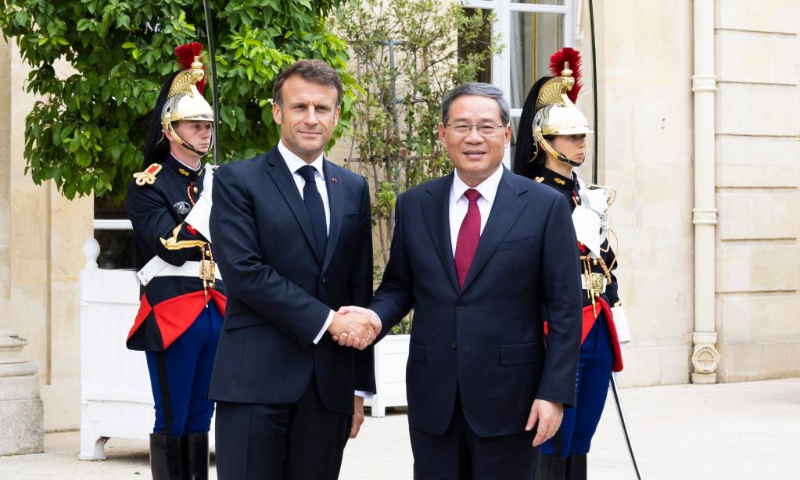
{"x": 480, "y": 90}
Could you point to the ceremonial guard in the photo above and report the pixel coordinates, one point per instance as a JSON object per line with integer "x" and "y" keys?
{"x": 183, "y": 298}
{"x": 551, "y": 144}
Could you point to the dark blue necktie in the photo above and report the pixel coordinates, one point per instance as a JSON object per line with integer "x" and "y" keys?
{"x": 315, "y": 208}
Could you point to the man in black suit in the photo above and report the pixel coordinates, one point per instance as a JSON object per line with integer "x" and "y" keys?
{"x": 480, "y": 255}
{"x": 295, "y": 244}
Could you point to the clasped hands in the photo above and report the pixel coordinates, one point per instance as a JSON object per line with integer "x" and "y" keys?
{"x": 355, "y": 327}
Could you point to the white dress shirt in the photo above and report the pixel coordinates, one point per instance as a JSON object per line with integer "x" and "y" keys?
{"x": 459, "y": 203}
{"x": 295, "y": 163}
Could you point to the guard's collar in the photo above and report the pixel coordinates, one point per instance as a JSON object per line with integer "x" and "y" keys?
{"x": 556, "y": 180}
{"x": 183, "y": 170}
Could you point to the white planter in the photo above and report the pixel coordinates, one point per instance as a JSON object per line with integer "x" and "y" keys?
{"x": 391, "y": 355}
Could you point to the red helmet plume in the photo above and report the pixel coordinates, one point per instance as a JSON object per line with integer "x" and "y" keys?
{"x": 557, "y": 63}
{"x": 186, "y": 54}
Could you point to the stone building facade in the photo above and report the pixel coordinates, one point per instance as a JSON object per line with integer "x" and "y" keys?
{"x": 699, "y": 114}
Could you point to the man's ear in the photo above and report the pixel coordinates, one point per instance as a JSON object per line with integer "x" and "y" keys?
{"x": 336, "y": 115}
{"x": 441, "y": 133}
{"x": 166, "y": 134}
{"x": 277, "y": 114}
{"x": 507, "y": 134}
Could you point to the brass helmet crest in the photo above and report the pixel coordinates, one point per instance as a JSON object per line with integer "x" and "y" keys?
{"x": 556, "y": 113}
{"x": 185, "y": 100}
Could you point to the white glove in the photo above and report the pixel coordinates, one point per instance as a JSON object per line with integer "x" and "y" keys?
{"x": 208, "y": 181}
{"x": 596, "y": 200}
{"x": 201, "y": 212}
{"x": 587, "y": 225}
{"x": 621, "y": 325}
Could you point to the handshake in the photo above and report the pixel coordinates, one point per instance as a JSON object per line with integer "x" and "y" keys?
{"x": 355, "y": 327}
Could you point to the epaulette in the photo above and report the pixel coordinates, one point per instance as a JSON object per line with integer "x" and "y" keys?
{"x": 147, "y": 177}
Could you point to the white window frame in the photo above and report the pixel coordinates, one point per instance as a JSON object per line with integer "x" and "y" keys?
{"x": 501, "y": 63}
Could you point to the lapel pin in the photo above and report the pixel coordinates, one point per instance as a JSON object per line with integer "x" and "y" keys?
{"x": 334, "y": 179}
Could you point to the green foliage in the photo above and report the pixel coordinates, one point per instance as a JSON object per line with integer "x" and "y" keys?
{"x": 88, "y": 131}
{"x": 395, "y": 140}
{"x": 436, "y": 46}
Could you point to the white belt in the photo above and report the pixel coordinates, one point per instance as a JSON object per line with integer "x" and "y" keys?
{"x": 158, "y": 267}
{"x": 586, "y": 282}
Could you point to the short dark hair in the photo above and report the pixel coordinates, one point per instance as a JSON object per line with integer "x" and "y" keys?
{"x": 480, "y": 90}
{"x": 315, "y": 71}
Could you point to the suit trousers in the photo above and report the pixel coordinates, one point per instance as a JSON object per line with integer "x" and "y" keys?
{"x": 295, "y": 441}
{"x": 460, "y": 454}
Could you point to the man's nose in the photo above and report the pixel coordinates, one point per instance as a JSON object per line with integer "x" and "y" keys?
{"x": 311, "y": 116}
{"x": 473, "y": 136}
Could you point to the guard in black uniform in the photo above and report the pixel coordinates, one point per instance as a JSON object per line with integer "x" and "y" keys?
{"x": 183, "y": 301}
{"x": 551, "y": 143}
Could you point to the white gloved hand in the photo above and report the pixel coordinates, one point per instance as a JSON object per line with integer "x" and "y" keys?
{"x": 208, "y": 181}
{"x": 621, "y": 324}
{"x": 201, "y": 211}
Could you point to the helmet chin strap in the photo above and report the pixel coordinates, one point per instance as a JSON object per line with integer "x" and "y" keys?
{"x": 183, "y": 143}
{"x": 540, "y": 140}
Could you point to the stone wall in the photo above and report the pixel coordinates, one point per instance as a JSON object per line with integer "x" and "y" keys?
{"x": 758, "y": 175}
{"x": 646, "y": 154}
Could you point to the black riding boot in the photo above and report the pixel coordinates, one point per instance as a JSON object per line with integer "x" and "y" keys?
{"x": 552, "y": 467}
{"x": 576, "y": 467}
{"x": 195, "y": 446}
{"x": 165, "y": 457}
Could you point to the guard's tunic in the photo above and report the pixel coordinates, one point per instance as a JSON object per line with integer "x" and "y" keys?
{"x": 179, "y": 317}
{"x": 600, "y": 351}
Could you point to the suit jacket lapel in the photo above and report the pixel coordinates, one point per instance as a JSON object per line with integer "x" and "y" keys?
{"x": 506, "y": 209}
{"x": 336, "y": 205}
{"x": 283, "y": 179}
{"x": 436, "y": 212}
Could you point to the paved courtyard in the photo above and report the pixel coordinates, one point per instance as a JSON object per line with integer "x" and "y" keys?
{"x": 732, "y": 431}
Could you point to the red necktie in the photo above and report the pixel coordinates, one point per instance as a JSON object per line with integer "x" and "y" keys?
{"x": 468, "y": 236}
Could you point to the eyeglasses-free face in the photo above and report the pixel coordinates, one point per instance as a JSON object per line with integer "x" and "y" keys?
{"x": 307, "y": 116}
{"x": 475, "y": 153}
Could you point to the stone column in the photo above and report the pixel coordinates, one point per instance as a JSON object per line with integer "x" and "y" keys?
{"x": 21, "y": 411}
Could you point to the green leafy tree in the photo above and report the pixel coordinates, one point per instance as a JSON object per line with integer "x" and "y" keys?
{"x": 88, "y": 130}
{"x": 406, "y": 55}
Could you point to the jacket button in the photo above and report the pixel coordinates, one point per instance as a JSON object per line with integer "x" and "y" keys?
{"x": 322, "y": 280}
{"x": 460, "y": 306}
{"x": 454, "y": 344}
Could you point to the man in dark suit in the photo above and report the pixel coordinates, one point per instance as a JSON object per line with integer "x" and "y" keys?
{"x": 294, "y": 238}
{"x": 480, "y": 255}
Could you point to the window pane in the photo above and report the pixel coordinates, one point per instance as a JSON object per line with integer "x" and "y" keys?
{"x": 116, "y": 246}
{"x": 116, "y": 249}
{"x": 106, "y": 209}
{"x": 514, "y": 133}
{"x": 534, "y": 38}
{"x": 481, "y": 42}
{"x": 540, "y": 2}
